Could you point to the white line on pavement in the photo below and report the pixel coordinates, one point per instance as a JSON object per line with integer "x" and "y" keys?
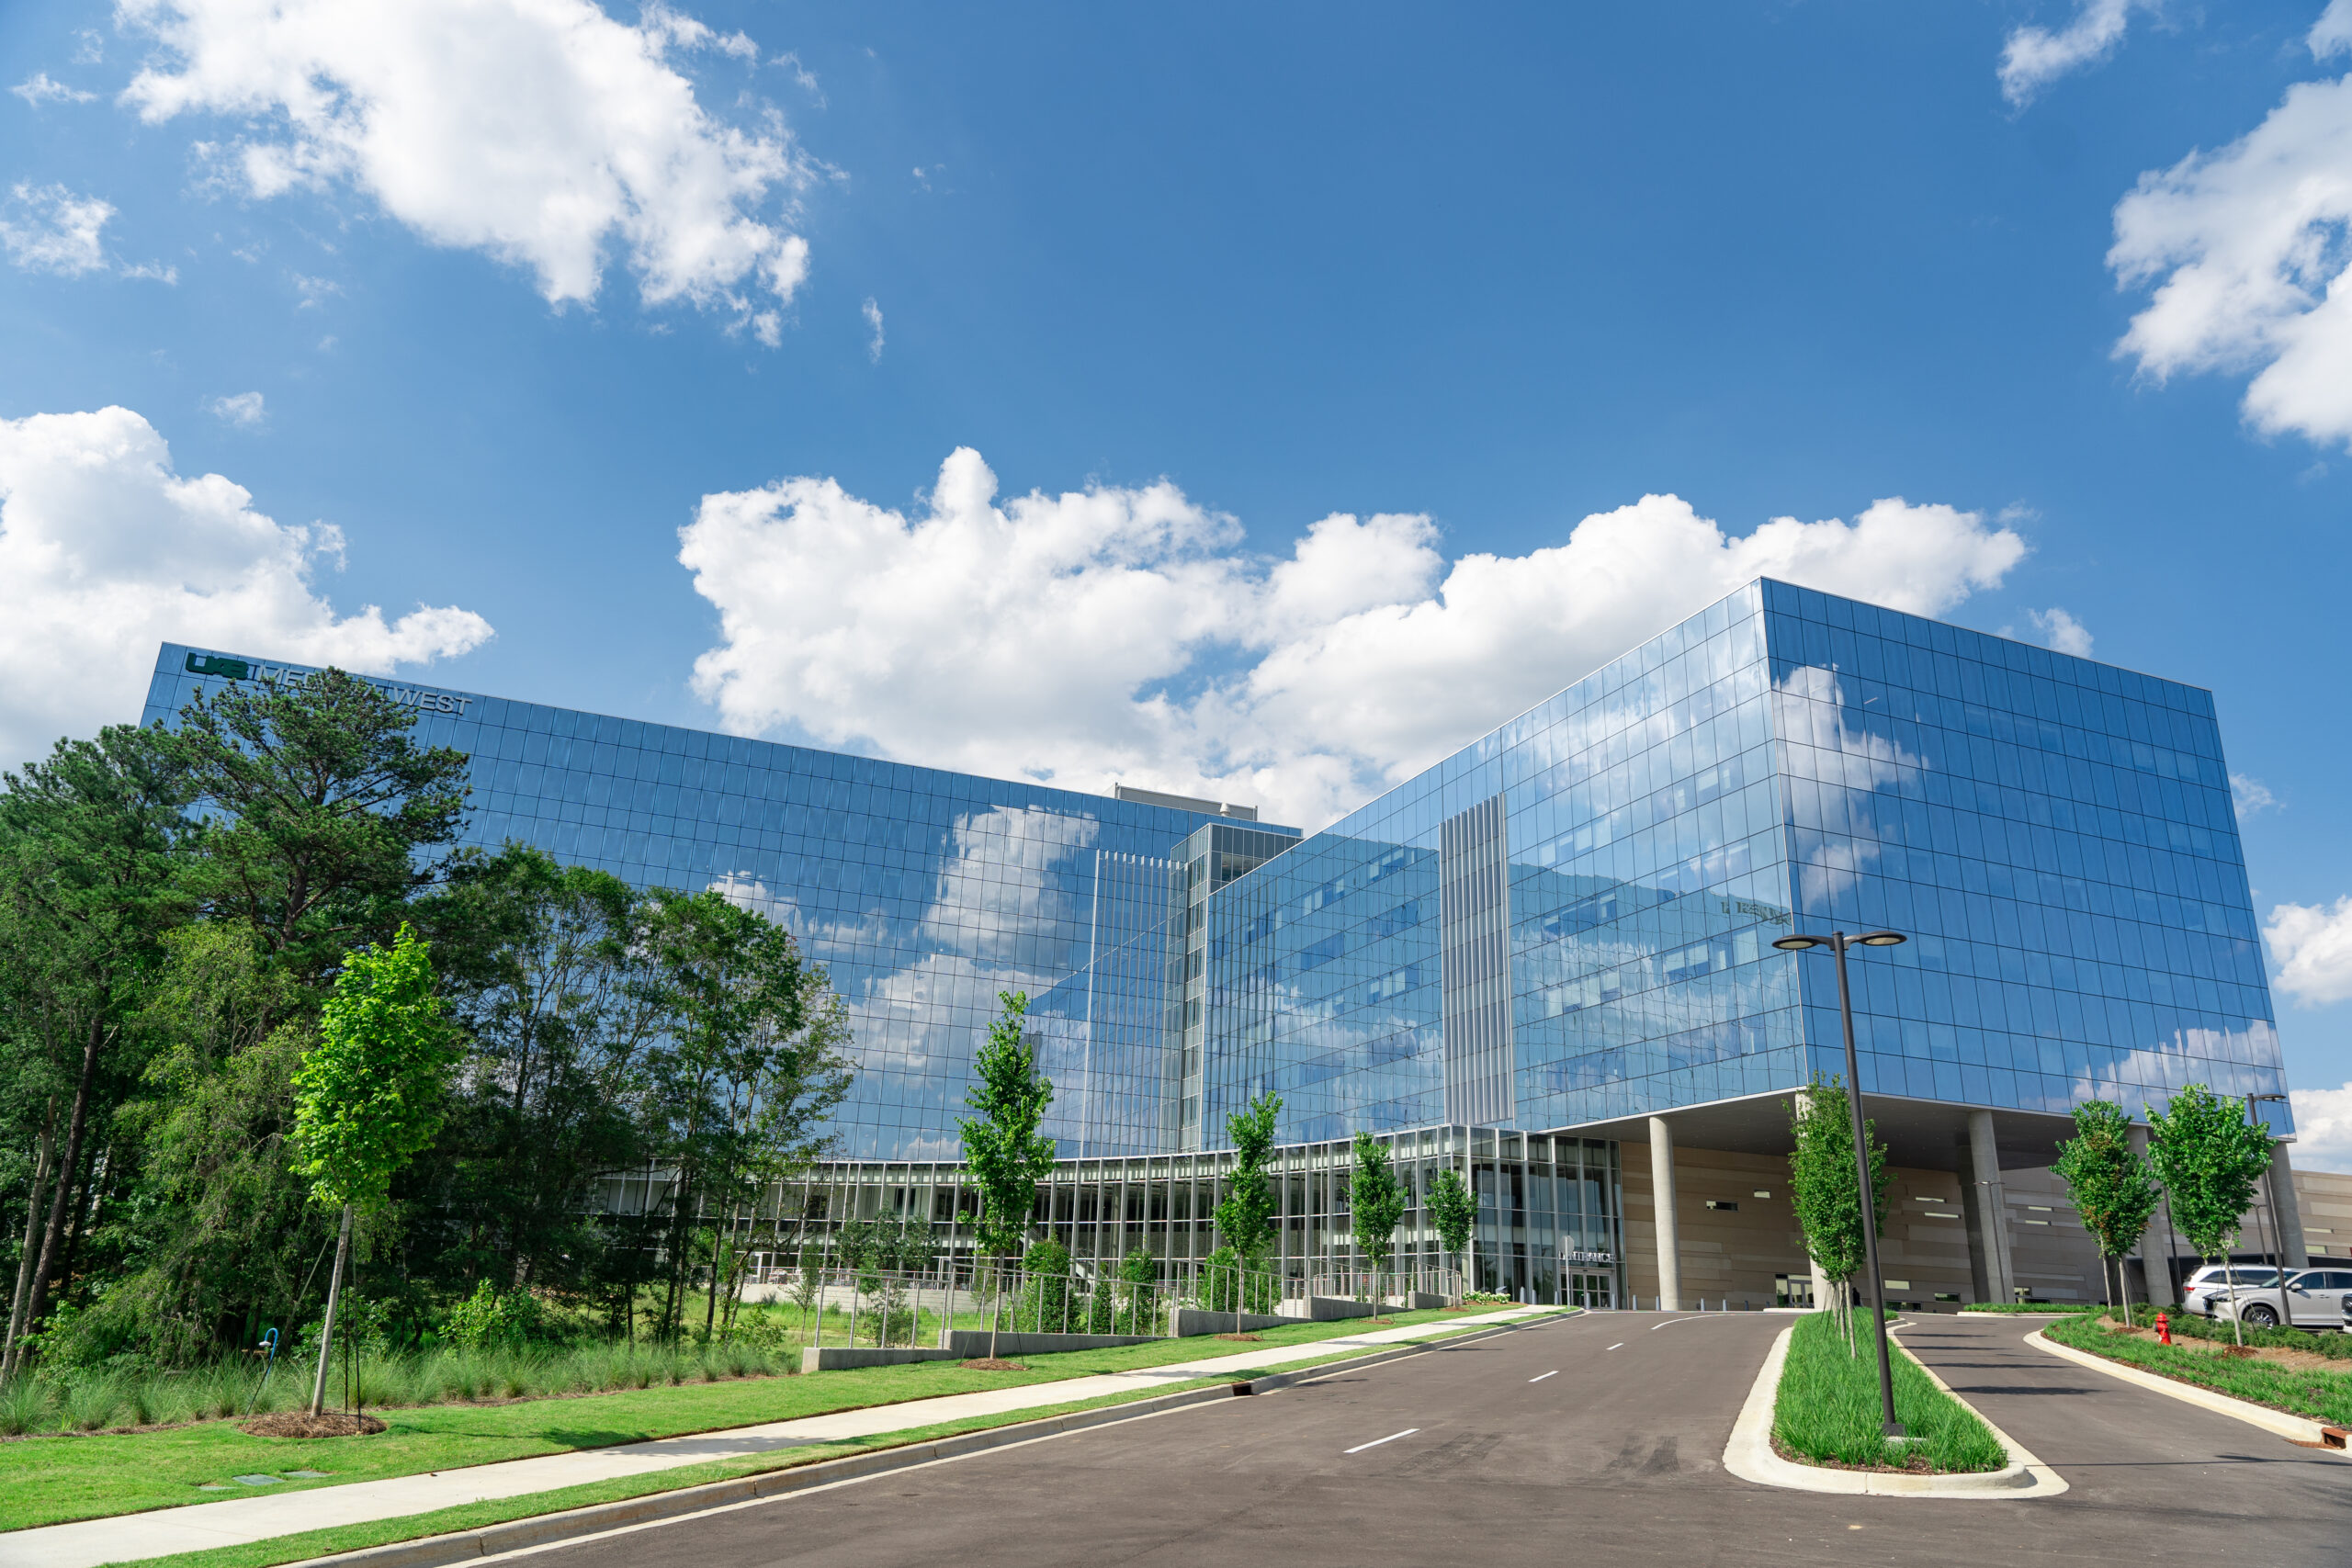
{"x": 1390, "y": 1438}
{"x": 1540, "y": 1376}
{"x": 1672, "y": 1320}
{"x": 1619, "y": 1345}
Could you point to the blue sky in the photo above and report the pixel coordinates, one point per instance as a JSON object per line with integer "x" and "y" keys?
{"x": 1263, "y": 331}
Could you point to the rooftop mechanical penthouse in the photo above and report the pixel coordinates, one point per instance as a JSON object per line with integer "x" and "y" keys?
{"x": 1554, "y": 942}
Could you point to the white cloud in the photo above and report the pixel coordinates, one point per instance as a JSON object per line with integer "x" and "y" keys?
{"x": 873, "y": 314}
{"x": 2061, "y": 632}
{"x": 89, "y": 46}
{"x": 238, "y": 408}
{"x": 541, "y": 132}
{"x": 2244, "y": 249}
{"x": 2250, "y": 796}
{"x": 105, "y": 551}
{"x": 2311, "y": 944}
{"x": 39, "y": 89}
{"x": 1124, "y": 634}
{"x": 2323, "y": 1127}
{"x": 55, "y": 230}
{"x": 2035, "y": 57}
{"x": 2332, "y": 34}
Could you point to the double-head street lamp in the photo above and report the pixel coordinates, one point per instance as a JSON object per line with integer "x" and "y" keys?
{"x": 1837, "y": 942}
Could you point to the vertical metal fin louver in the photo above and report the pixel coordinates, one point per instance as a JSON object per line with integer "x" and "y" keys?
{"x": 1474, "y": 915}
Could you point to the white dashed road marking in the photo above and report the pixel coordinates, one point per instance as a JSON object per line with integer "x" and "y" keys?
{"x": 1390, "y": 1438}
{"x": 1540, "y": 1376}
{"x": 1619, "y": 1345}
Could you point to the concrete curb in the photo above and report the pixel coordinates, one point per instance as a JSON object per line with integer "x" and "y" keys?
{"x": 2296, "y": 1428}
{"x": 1749, "y": 1455}
{"x": 467, "y": 1546}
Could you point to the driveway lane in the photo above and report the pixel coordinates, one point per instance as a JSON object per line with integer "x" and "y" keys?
{"x": 2135, "y": 1451}
{"x": 1618, "y": 1459}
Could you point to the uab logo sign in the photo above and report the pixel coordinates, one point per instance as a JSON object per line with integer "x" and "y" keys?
{"x": 245, "y": 670}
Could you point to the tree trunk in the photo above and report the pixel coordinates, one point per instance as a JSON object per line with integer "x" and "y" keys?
{"x": 45, "y": 1149}
{"x": 54, "y": 1233}
{"x": 335, "y": 1300}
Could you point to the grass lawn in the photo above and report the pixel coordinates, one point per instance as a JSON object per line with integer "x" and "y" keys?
{"x": 1826, "y": 1409}
{"x": 2320, "y": 1394}
{"x": 48, "y": 1480}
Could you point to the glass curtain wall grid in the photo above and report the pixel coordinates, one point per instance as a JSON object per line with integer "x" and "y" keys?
{"x": 923, "y": 893}
{"x": 1548, "y": 1225}
{"x": 2057, "y": 836}
{"x": 1627, "y": 839}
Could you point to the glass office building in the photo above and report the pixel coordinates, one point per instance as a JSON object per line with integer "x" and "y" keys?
{"x": 1537, "y": 945}
{"x": 1569, "y": 922}
{"x": 923, "y": 893}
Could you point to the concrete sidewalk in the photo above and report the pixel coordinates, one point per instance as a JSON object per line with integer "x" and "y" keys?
{"x": 88, "y": 1542}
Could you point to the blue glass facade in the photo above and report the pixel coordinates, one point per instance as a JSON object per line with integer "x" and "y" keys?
{"x": 923, "y": 893}
{"x": 1568, "y": 922}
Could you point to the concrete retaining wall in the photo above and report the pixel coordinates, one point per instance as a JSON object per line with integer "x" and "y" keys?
{"x": 1193, "y": 1320}
{"x": 1324, "y": 1309}
{"x": 968, "y": 1343}
{"x": 831, "y": 1358}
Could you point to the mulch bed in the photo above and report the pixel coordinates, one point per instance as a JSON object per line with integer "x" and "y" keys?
{"x": 302, "y": 1423}
{"x": 992, "y": 1364}
{"x": 1251, "y": 1338}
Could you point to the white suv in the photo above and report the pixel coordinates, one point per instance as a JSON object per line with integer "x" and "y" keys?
{"x": 2315, "y": 1298}
{"x": 2208, "y": 1290}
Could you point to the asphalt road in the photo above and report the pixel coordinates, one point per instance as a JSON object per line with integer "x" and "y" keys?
{"x": 1473, "y": 1454}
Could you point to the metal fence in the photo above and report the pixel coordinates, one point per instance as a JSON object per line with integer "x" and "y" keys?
{"x": 917, "y": 1309}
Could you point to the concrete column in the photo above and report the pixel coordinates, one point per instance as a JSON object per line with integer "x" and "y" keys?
{"x": 2288, "y": 1215}
{"x": 1990, "y": 1267}
{"x": 1670, "y": 1257}
{"x": 2156, "y": 1243}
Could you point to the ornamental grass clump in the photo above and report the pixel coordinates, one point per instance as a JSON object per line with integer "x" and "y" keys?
{"x": 1826, "y": 1410}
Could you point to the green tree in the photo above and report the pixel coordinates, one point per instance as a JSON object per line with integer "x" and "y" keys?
{"x": 2107, "y": 1181}
{"x": 1007, "y": 1155}
{"x": 1376, "y": 1201}
{"x": 368, "y": 1095}
{"x": 322, "y": 810}
{"x": 1452, "y": 1211}
{"x": 1245, "y": 1215}
{"x": 750, "y": 1061}
{"x": 1822, "y": 1188}
{"x": 547, "y": 977}
{"x": 2210, "y": 1158}
{"x": 91, "y": 842}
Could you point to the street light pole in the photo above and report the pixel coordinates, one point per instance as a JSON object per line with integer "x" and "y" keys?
{"x": 1837, "y": 942}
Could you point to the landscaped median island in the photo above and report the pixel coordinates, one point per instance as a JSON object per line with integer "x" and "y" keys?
{"x": 2302, "y": 1374}
{"x": 55, "y": 1479}
{"x": 1827, "y": 1410}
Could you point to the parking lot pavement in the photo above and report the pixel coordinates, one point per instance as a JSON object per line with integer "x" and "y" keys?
{"x": 1598, "y": 1439}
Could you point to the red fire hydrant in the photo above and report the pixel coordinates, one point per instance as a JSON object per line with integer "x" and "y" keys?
{"x": 2163, "y": 1330}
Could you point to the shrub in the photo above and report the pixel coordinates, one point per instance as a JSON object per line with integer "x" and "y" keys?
{"x": 490, "y": 1319}
{"x": 1046, "y": 1303}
